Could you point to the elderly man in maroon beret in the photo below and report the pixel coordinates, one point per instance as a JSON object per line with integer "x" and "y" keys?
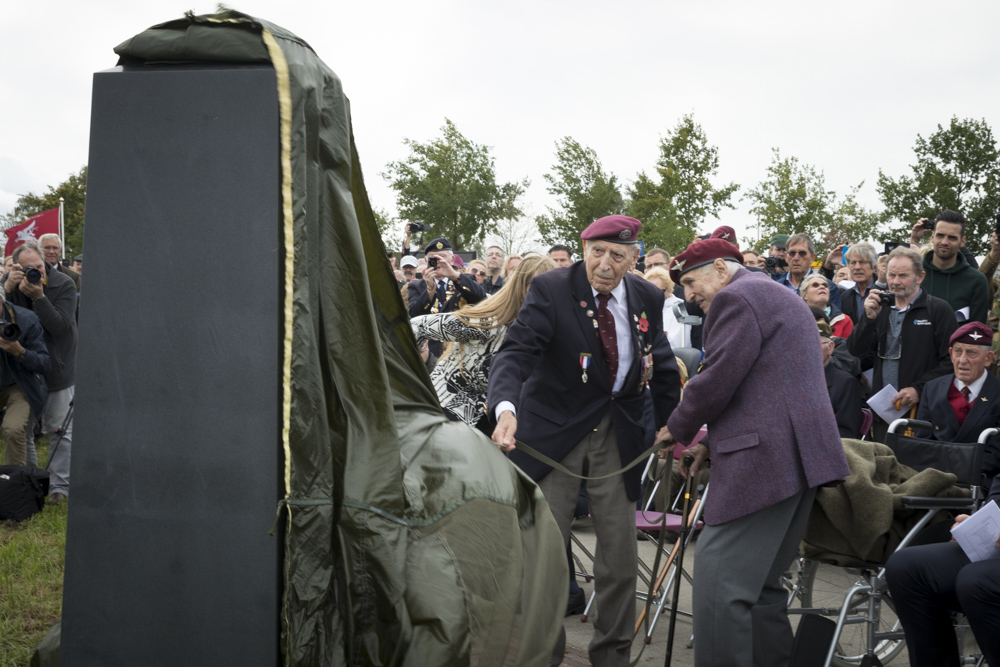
{"x": 571, "y": 380}
{"x": 773, "y": 440}
{"x": 963, "y": 404}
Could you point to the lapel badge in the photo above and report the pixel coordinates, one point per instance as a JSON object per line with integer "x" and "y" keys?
{"x": 983, "y": 399}
{"x": 590, "y": 313}
{"x": 583, "y": 304}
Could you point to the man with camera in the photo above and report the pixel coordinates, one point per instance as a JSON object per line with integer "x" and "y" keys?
{"x": 52, "y": 250}
{"x": 905, "y": 331}
{"x": 22, "y": 381}
{"x": 442, "y": 289}
{"x": 35, "y": 286}
{"x": 409, "y": 229}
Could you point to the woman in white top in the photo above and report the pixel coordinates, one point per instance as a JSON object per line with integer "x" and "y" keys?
{"x": 477, "y": 332}
{"x": 678, "y": 335}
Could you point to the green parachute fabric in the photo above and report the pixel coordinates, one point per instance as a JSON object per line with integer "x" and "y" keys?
{"x": 409, "y": 540}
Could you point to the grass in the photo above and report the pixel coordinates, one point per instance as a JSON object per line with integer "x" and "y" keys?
{"x": 32, "y": 561}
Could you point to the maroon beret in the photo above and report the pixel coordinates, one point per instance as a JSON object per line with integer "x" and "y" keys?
{"x": 701, "y": 253}
{"x": 726, "y": 233}
{"x": 972, "y": 333}
{"x": 457, "y": 260}
{"x": 613, "y": 228}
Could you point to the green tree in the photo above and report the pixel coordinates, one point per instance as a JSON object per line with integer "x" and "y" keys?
{"x": 675, "y": 203}
{"x": 74, "y": 191}
{"x": 958, "y": 168}
{"x": 586, "y": 192}
{"x": 450, "y": 184}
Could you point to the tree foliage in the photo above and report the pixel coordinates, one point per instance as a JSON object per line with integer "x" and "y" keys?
{"x": 958, "y": 168}
{"x": 793, "y": 199}
{"x": 450, "y": 184}
{"x": 586, "y": 192}
{"x": 74, "y": 192}
{"x": 675, "y": 203}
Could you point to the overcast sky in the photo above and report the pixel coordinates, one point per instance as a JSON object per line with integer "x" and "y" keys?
{"x": 844, "y": 86}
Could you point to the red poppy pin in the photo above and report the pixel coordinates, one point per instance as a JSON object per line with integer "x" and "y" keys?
{"x": 643, "y": 323}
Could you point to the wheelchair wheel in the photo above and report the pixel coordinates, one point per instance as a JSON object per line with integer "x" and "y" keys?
{"x": 824, "y": 586}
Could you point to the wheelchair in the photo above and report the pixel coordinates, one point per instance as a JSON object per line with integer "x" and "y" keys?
{"x": 866, "y": 631}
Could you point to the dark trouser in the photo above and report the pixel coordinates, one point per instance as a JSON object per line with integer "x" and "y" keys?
{"x": 927, "y": 582}
{"x": 740, "y": 607}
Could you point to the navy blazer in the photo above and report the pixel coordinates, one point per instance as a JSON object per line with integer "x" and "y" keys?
{"x": 538, "y": 370}
{"x": 985, "y": 413}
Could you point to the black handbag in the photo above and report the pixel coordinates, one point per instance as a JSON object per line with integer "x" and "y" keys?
{"x": 22, "y": 492}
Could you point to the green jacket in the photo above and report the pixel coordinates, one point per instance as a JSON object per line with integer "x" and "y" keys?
{"x": 961, "y": 286}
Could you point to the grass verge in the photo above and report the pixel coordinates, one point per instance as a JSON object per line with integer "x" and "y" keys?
{"x": 32, "y": 560}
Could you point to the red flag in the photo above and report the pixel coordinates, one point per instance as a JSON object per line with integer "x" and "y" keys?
{"x": 46, "y": 222}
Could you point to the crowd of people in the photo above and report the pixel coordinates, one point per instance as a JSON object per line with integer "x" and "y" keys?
{"x": 38, "y": 334}
{"x": 577, "y": 358}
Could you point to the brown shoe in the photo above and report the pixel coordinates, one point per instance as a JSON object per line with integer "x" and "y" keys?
{"x": 56, "y": 497}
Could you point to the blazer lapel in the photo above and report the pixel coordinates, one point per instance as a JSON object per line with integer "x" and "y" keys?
{"x": 584, "y": 294}
{"x": 635, "y": 310}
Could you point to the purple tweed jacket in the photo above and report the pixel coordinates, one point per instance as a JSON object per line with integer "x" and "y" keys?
{"x": 762, "y": 392}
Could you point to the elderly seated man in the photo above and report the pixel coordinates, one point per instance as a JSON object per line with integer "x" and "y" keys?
{"x": 844, "y": 389}
{"x": 963, "y": 404}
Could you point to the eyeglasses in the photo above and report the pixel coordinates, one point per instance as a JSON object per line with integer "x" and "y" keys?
{"x": 899, "y": 351}
{"x": 477, "y": 272}
{"x": 797, "y": 253}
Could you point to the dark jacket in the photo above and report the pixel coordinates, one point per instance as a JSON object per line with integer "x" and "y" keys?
{"x": 772, "y": 433}
{"x": 847, "y": 401}
{"x": 56, "y": 312}
{"x": 69, "y": 273}
{"x": 928, "y": 324}
{"x": 961, "y": 286}
{"x": 468, "y": 291}
{"x": 490, "y": 286}
{"x": 984, "y": 414}
{"x": 555, "y": 409}
{"x": 29, "y": 373}
{"x": 849, "y": 301}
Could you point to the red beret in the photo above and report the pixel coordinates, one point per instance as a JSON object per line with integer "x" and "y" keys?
{"x": 972, "y": 333}
{"x": 701, "y": 253}
{"x": 613, "y": 228}
{"x": 726, "y": 233}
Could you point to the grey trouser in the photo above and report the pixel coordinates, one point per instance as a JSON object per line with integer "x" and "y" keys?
{"x": 56, "y": 408}
{"x": 740, "y": 607}
{"x": 615, "y": 559}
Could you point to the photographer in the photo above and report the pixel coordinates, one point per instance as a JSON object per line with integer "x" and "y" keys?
{"x": 442, "y": 289}
{"x": 32, "y": 284}
{"x": 905, "y": 331}
{"x": 22, "y": 382}
{"x": 409, "y": 229}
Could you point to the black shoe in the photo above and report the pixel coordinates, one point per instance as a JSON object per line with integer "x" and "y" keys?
{"x": 577, "y": 603}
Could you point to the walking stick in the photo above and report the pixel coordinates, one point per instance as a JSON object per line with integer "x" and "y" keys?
{"x": 688, "y": 460}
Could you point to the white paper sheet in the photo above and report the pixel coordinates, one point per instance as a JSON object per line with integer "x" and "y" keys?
{"x": 881, "y": 403}
{"x": 962, "y": 314}
{"x": 978, "y": 534}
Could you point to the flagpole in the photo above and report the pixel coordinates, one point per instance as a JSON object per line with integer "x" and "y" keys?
{"x": 62, "y": 233}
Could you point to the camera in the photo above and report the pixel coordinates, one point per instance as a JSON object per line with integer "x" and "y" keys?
{"x": 33, "y": 275}
{"x": 928, "y": 224}
{"x": 775, "y": 263}
{"x": 432, "y": 262}
{"x": 9, "y": 330}
{"x": 419, "y": 227}
{"x": 640, "y": 265}
{"x": 886, "y": 298}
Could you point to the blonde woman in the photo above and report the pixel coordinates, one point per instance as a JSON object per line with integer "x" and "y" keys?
{"x": 815, "y": 290}
{"x": 477, "y": 331}
{"x": 678, "y": 335}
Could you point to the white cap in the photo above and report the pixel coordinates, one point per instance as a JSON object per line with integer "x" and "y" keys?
{"x": 409, "y": 260}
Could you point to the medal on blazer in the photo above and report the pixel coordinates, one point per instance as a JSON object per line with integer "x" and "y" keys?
{"x": 584, "y": 364}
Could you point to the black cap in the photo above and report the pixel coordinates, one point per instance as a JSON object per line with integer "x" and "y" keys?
{"x": 438, "y": 244}
{"x": 78, "y": 258}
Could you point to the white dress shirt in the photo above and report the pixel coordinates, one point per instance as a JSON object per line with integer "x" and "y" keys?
{"x": 975, "y": 386}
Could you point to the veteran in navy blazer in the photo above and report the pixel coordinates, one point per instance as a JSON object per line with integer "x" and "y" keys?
{"x": 570, "y": 380}
{"x": 963, "y": 404}
{"x": 773, "y": 440}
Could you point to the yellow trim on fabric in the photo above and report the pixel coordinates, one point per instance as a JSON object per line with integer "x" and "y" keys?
{"x": 285, "y": 111}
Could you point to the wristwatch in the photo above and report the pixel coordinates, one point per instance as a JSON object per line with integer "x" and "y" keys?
{"x": 24, "y": 353}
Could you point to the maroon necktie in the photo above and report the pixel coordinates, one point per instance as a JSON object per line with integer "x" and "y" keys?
{"x": 606, "y": 331}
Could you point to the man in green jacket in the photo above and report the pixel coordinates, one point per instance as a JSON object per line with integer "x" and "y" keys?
{"x": 949, "y": 274}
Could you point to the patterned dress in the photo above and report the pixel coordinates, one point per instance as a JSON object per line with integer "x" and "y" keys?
{"x": 461, "y": 377}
